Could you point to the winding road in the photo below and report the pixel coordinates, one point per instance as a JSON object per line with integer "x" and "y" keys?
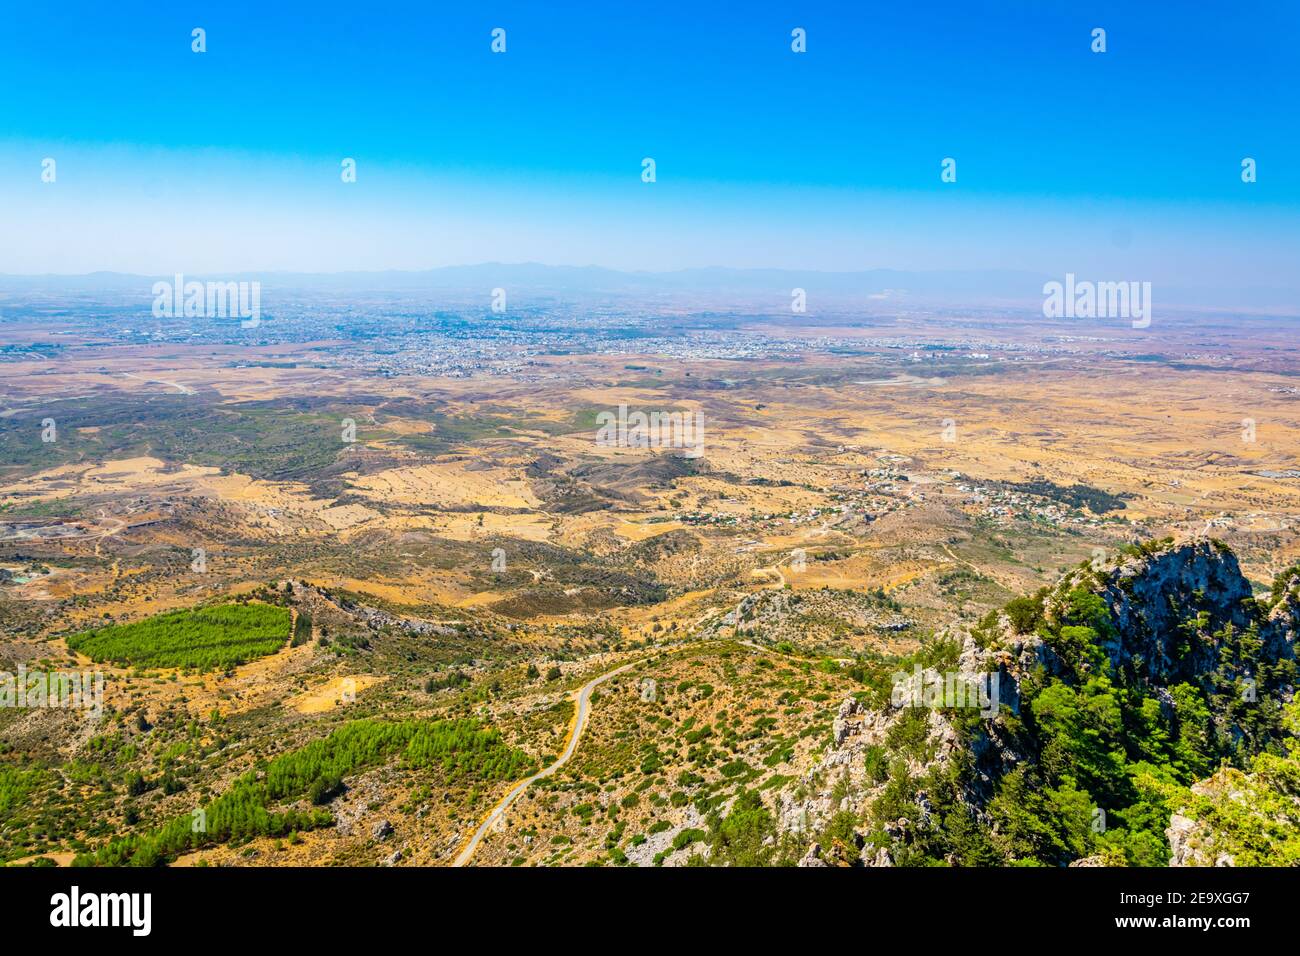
{"x": 183, "y": 389}
{"x": 581, "y": 713}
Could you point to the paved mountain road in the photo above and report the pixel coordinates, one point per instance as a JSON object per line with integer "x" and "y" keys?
{"x": 581, "y": 714}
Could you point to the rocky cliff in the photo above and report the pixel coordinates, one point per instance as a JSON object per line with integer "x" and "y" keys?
{"x": 1105, "y": 699}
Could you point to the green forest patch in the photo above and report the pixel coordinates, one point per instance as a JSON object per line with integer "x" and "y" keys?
{"x": 209, "y": 638}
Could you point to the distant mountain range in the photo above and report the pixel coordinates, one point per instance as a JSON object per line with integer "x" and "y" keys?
{"x": 956, "y": 287}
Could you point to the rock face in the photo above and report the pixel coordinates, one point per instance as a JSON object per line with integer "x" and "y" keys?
{"x": 843, "y": 771}
{"x": 1184, "y": 841}
{"x": 1171, "y": 614}
{"x": 1282, "y": 628}
{"x": 806, "y": 808}
{"x": 1238, "y": 818}
{"x": 662, "y": 843}
{"x": 1153, "y": 597}
{"x": 1193, "y": 842}
{"x": 1178, "y": 614}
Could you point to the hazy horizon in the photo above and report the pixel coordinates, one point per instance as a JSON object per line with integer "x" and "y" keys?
{"x": 992, "y": 288}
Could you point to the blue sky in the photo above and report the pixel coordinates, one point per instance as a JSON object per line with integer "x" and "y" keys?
{"x": 1126, "y": 162}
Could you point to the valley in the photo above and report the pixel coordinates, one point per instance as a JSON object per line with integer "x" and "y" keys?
{"x": 666, "y": 641}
